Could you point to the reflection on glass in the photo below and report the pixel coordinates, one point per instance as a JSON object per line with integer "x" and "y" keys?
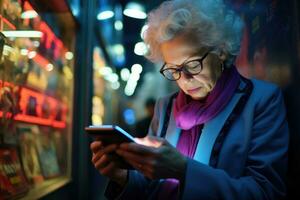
{"x": 36, "y": 84}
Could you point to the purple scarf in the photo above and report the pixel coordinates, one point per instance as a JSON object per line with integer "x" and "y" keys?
{"x": 190, "y": 115}
{"x": 189, "y": 112}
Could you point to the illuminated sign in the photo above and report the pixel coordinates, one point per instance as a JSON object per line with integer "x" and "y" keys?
{"x": 5, "y": 22}
{"x": 38, "y": 108}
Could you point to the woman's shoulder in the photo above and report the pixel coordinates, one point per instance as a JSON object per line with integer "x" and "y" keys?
{"x": 264, "y": 87}
{"x": 162, "y": 102}
{"x": 166, "y": 98}
{"x": 264, "y": 91}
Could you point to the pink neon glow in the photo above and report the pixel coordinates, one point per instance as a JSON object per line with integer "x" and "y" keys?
{"x": 54, "y": 107}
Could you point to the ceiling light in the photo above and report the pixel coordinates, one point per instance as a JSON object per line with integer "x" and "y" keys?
{"x": 140, "y": 48}
{"x": 49, "y": 67}
{"x": 36, "y": 43}
{"x": 69, "y": 55}
{"x": 24, "y": 52}
{"x": 31, "y": 54}
{"x": 106, "y": 14}
{"x": 136, "y": 69}
{"x": 144, "y": 28}
{"x": 118, "y": 25}
{"x": 135, "y": 10}
{"x": 130, "y": 87}
{"x": 134, "y": 77}
{"x": 125, "y": 73}
{"x": 28, "y": 11}
{"x": 118, "y": 49}
{"x": 115, "y": 85}
{"x": 23, "y": 34}
{"x": 29, "y": 14}
{"x": 113, "y": 77}
{"x": 104, "y": 71}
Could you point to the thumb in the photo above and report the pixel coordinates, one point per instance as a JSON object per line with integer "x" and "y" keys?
{"x": 151, "y": 141}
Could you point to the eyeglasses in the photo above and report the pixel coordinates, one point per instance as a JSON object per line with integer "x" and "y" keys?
{"x": 192, "y": 67}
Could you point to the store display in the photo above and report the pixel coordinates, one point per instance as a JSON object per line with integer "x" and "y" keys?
{"x": 46, "y": 151}
{"x": 60, "y": 142}
{"x": 37, "y": 78}
{"x": 29, "y": 156}
{"x": 8, "y": 109}
{"x": 36, "y": 91}
{"x": 12, "y": 179}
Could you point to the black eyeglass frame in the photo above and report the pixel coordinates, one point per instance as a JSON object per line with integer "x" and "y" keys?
{"x": 182, "y": 68}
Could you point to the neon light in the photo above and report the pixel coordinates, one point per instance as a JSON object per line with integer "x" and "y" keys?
{"x": 23, "y": 34}
{"x": 8, "y": 115}
{"x": 8, "y": 23}
{"x": 29, "y": 14}
{"x": 40, "y": 60}
{"x": 57, "y": 124}
{"x": 32, "y": 119}
{"x": 49, "y": 37}
{"x": 43, "y": 111}
{"x": 35, "y": 120}
{"x": 7, "y": 84}
{"x": 27, "y": 6}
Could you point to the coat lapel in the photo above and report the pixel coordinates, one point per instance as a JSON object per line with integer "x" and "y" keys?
{"x": 173, "y": 131}
{"x": 212, "y": 129}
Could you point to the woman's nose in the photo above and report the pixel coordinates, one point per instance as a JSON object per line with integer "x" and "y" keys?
{"x": 186, "y": 76}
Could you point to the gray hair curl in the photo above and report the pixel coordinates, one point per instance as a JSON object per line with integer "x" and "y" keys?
{"x": 210, "y": 22}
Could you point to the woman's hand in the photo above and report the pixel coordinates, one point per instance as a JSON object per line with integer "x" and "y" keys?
{"x": 107, "y": 163}
{"x": 154, "y": 157}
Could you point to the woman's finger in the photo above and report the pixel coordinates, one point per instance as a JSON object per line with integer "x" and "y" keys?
{"x": 101, "y": 162}
{"x": 132, "y": 157}
{"x": 96, "y": 146}
{"x": 151, "y": 141}
{"x": 137, "y": 148}
{"x": 106, "y": 150}
{"x": 106, "y": 171}
{"x": 104, "y": 161}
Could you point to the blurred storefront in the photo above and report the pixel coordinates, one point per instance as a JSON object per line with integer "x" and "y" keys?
{"x": 36, "y": 97}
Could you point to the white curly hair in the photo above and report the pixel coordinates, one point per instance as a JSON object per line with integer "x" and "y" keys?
{"x": 209, "y": 22}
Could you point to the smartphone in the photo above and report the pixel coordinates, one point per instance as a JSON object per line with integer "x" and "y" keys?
{"x": 109, "y": 134}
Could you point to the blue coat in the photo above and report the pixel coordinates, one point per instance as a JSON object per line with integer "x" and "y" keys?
{"x": 252, "y": 161}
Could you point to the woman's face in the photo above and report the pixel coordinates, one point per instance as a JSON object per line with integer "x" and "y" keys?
{"x": 178, "y": 51}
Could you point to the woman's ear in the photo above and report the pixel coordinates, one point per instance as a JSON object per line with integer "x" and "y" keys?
{"x": 223, "y": 55}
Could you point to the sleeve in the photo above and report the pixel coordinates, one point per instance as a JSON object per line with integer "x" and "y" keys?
{"x": 137, "y": 187}
{"x": 265, "y": 170}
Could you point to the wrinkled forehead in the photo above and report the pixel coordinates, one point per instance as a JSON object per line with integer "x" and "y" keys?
{"x": 179, "y": 49}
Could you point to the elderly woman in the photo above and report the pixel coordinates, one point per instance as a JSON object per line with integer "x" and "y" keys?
{"x": 222, "y": 136}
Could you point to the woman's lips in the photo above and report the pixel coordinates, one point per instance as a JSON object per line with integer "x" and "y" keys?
{"x": 194, "y": 90}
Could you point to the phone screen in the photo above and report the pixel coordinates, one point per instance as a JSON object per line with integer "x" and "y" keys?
{"x": 109, "y": 134}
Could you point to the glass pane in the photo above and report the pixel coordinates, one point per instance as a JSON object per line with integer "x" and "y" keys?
{"x": 36, "y": 90}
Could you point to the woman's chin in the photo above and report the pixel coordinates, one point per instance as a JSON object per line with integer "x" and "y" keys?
{"x": 198, "y": 96}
